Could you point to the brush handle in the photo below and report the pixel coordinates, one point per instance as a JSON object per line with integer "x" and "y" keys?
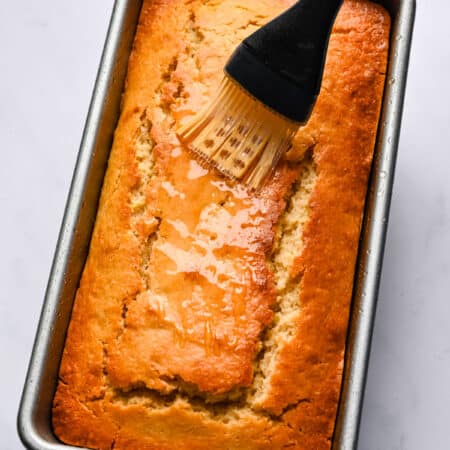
{"x": 281, "y": 64}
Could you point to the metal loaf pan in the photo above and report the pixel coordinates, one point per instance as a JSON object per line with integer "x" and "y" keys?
{"x": 34, "y": 424}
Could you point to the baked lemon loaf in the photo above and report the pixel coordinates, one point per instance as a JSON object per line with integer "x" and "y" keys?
{"x": 208, "y": 317}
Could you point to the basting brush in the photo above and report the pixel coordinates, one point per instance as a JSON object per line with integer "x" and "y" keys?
{"x": 270, "y": 86}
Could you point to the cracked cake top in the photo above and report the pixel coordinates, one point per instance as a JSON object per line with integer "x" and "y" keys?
{"x": 209, "y": 317}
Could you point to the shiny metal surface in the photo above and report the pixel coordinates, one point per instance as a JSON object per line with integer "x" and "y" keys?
{"x": 34, "y": 423}
{"x": 375, "y": 226}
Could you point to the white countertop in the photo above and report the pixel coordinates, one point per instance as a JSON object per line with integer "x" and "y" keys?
{"x": 49, "y": 56}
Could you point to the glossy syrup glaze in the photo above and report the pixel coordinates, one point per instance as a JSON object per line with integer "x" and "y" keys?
{"x": 209, "y": 287}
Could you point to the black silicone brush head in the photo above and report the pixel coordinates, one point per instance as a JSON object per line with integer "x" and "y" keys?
{"x": 281, "y": 64}
{"x": 273, "y": 79}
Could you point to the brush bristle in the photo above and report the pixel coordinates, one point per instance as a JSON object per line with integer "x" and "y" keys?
{"x": 239, "y": 136}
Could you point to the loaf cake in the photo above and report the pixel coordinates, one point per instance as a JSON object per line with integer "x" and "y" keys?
{"x": 209, "y": 317}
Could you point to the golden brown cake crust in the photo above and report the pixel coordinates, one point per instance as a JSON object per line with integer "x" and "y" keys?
{"x": 208, "y": 317}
